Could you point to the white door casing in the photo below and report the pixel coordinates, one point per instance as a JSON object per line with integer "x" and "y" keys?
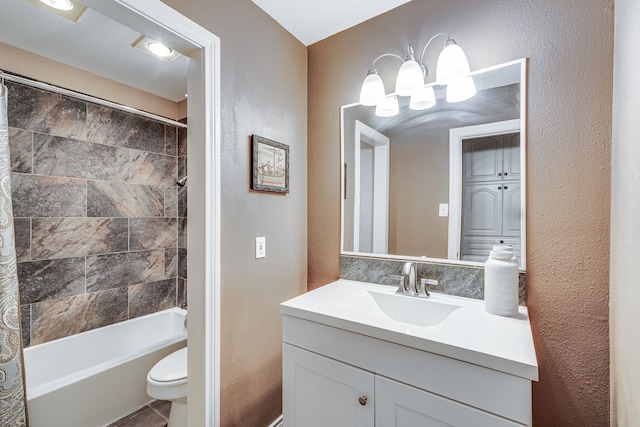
{"x": 152, "y": 17}
{"x": 380, "y": 188}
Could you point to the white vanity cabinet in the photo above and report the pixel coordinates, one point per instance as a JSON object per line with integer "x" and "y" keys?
{"x": 347, "y": 365}
{"x": 321, "y": 392}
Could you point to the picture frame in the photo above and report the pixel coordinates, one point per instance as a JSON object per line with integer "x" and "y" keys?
{"x": 270, "y": 165}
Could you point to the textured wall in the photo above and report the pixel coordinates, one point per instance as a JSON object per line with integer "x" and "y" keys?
{"x": 264, "y": 85}
{"x": 98, "y": 217}
{"x": 570, "y": 49}
{"x": 625, "y": 211}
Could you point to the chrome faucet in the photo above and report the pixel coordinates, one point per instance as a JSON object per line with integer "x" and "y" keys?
{"x": 409, "y": 270}
{"x": 412, "y": 288}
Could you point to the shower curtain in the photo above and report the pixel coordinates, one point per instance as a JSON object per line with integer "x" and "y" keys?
{"x": 12, "y": 390}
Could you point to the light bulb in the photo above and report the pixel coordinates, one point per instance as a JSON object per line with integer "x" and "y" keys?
{"x": 65, "y": 5}
{"x": 159, "y": 49}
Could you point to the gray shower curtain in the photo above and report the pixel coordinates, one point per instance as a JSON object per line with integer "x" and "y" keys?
{"x": 12, "y": 389}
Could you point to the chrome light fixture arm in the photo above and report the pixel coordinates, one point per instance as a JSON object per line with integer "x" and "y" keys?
{"x": 449, "y": 40}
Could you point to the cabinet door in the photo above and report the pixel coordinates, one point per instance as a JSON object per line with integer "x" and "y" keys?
{"x": 400, "y": 405}
{"x": 482, "y": 158}
{"x": 511, "y": 162}
{"x": 511, "y": 225}
{"x": 321, "y": 392}
{"x": 482, "y": 210}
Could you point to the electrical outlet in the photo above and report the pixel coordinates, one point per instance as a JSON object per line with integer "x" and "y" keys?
{"x": 261, "y": 247}
{"x": 444, "y": 209}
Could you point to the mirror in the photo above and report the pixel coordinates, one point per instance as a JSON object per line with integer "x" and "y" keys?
{"x": 445, "y": 183}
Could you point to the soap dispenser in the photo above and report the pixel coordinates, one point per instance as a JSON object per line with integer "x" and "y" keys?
{"x": 501, "y": 284}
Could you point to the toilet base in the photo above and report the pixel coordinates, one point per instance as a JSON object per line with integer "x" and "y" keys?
{"x": 178, "y": 414}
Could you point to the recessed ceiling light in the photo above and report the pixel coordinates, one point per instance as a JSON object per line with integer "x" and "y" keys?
{"x": 59, "y": 4}
{"x": 159, "y": 49}
{"x": 70, "y": 9}
{"x": 155, "y": 49}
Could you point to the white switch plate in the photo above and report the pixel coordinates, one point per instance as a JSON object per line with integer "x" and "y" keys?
{"x": 444, "y": 209}
{"x": 261, "y": 247}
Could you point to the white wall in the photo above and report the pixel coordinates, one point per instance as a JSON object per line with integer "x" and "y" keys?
{"x": 624, "y": 314}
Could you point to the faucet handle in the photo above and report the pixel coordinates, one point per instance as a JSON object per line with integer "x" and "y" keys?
{"x": 402, "y": 288}
{"x": 424, "y": 291}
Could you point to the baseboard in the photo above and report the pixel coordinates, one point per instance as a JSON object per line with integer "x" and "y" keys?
{"x": 277, "y": 422}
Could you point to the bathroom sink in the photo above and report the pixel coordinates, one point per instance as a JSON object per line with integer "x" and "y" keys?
{"x": 400, "y": 308}
{"x": 347, "y": 311}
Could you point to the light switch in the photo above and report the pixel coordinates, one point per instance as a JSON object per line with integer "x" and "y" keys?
{"x": 261, "y": 247}
{"x": 444, "y": 209}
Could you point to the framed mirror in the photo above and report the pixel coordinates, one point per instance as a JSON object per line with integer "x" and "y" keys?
{"x": 443, "y": 184}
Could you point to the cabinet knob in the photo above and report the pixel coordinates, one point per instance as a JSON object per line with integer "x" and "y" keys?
{"x": 363, "y": 400}
{"x": 500, "y": 173}
{"x": 500, "y": 188}
{"x": 505, "y": 174}
{"x": 506, "y": 188}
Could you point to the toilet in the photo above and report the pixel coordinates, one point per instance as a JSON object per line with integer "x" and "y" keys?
{"x": 167, "y": 380}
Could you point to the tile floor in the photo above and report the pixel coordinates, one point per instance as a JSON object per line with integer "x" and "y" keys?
{"x": 155, "y": 414}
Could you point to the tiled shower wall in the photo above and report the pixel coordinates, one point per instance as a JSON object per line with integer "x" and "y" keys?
{"x": 100, "y": 224}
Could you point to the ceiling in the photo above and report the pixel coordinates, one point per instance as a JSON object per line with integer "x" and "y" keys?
{"x": 101, "y": 46}
{"x": 312, "y": 20}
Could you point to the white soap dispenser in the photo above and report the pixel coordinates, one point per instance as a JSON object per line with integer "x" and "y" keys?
{"x": 501, "y": 284}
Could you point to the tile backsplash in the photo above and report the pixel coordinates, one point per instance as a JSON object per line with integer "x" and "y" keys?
{"x": 100, "y": 225}
{"x": 459, "y": 280}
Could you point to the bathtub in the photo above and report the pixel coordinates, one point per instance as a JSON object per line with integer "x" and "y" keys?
{"x": 96, "y": 377}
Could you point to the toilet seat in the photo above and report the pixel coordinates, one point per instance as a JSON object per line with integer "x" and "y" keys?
{"x": 170, "y": 371}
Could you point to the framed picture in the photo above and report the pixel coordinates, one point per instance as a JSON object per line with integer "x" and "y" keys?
{"x": 270, "y": 165}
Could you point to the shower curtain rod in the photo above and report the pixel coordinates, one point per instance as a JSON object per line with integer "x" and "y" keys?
{"x": 81, "y": 96}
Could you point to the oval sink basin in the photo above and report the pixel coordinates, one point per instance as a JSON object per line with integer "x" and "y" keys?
{"x": 415, "y": 311}
{"x": 400, "y": 308}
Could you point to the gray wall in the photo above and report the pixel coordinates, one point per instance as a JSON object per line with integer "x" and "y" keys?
{"x": 100, "y": 224}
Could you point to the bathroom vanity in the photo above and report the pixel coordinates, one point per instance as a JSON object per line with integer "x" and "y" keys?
{"x": 357, "y": 354}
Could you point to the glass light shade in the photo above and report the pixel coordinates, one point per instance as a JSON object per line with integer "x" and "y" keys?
{"x": 59, "y": 4}
{"x": 388, "y": 107}
{"x": 410, "y": 78}
{"x": 452, "y": 64}
{"x": 423, "y": 99}
{"x": 372, "y": 91}
{"x": 461, "y": 89}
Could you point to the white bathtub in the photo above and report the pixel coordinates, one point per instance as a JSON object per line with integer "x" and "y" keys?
{"x": 96, "y": 377}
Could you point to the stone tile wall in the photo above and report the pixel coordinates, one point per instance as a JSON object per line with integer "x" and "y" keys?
{"x": 459, "y": 280}
{"x": 100, "y": 225}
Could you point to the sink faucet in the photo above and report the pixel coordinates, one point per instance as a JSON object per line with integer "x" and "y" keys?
{"x": 412, "y": 288}
{"x": 409, "y": 270}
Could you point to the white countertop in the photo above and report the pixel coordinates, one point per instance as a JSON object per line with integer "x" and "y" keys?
{"x": 469, "y": 334}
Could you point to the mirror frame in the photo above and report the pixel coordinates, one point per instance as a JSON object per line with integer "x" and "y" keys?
{"x": 523, "y": 180}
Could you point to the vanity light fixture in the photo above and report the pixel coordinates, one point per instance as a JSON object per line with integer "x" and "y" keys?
{"x": 452, "y": 70}
{"x": 388, "y": 107}
{"x": 156, "y": 49}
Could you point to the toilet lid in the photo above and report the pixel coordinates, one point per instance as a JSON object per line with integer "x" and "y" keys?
{"x": 171, "y": 368}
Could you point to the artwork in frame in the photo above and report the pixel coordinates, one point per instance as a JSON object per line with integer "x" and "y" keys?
{"x": 270, "y": 165}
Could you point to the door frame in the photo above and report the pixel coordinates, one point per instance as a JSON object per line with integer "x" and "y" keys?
{"x": 456, "y": 136}
{"x": 153, "y": 18}
{"x": 380, "y": 144}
